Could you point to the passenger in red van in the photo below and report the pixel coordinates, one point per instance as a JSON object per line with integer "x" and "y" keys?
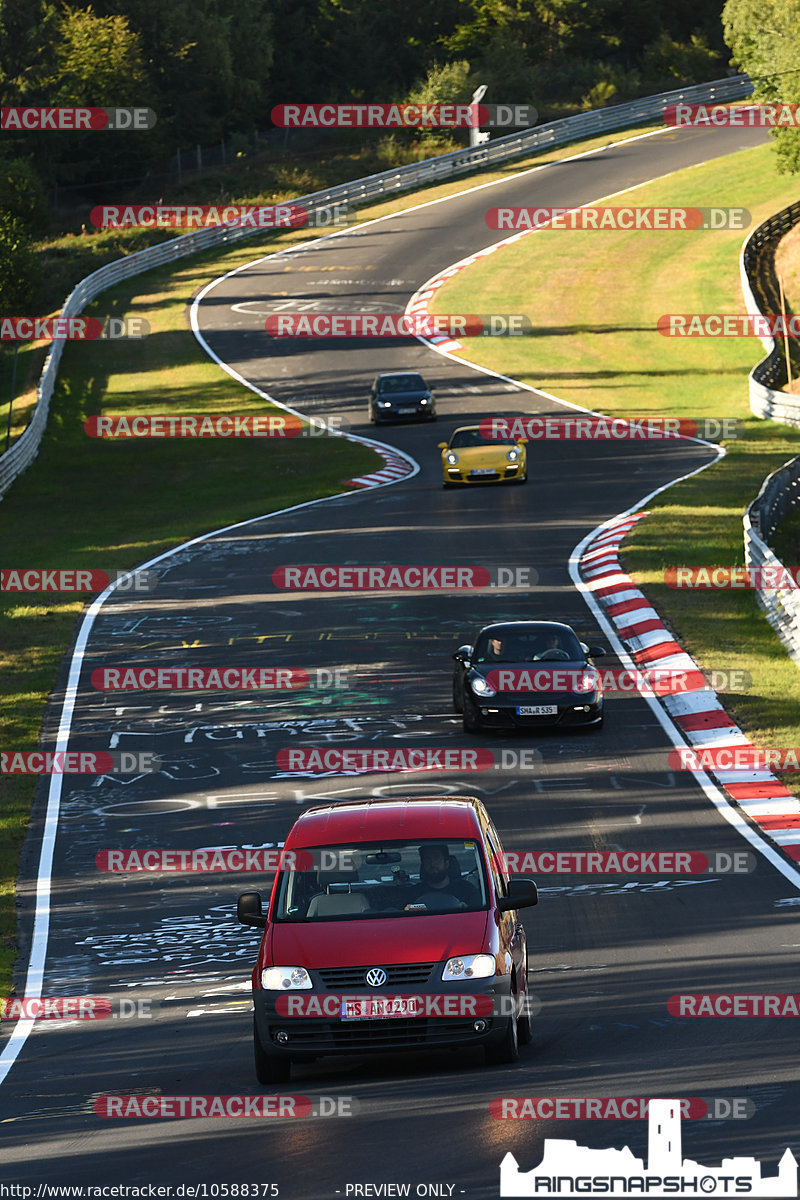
{"x": 439, "y": 872}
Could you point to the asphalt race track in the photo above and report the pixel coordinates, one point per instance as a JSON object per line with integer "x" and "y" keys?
{"x": 605, "y": 953}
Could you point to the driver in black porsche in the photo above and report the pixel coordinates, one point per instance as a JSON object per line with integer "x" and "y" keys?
{"x": 436, "y": 874}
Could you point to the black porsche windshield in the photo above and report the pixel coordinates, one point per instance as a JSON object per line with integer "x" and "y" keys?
{"x": 358, "y": 882}
{"x": 520, "y": 646}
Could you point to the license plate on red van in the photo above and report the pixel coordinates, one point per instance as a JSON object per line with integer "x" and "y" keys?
{"x": 368, "y": 1008}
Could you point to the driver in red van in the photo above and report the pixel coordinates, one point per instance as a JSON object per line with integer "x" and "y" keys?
{"x": 437, "y": 874}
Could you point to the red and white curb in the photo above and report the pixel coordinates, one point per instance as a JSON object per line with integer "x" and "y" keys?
{"x": 419, "y": 304}
{"x": 396, "y": 467}
{"x": 697, "y": 713}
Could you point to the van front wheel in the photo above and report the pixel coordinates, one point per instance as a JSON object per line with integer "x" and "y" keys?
{"x": 270, "y": 1068}
{"x": 506, "y": 1051}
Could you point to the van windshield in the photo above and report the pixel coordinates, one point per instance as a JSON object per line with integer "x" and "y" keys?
{"x": 381, "y": 879}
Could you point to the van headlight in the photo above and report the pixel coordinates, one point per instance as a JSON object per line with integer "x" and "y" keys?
{"x": 469, "y": 966}
{"x": 286, "y": 979}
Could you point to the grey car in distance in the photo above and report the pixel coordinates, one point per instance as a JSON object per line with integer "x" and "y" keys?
{"x": 401, "y": 396}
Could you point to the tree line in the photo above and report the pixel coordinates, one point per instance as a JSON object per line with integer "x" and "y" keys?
{"x": 211, "y": 70}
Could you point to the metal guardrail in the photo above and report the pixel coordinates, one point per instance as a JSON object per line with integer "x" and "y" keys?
{"x": 757, "y": 268}
{"x": 779, "y": 495}
{"x": 360, "y": 191}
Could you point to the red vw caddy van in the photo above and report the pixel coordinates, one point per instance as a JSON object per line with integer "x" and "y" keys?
{"x": 392, "y": 926}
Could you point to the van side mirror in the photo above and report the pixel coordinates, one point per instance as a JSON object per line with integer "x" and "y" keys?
{"x": 522, "y": 893}
{"x": 249, "y": 910}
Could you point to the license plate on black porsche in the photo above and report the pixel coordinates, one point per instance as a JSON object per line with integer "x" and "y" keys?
{"x": 537, "y": 710}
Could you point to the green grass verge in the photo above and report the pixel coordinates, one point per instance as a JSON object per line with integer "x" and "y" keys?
{"x": 608, "y": 356}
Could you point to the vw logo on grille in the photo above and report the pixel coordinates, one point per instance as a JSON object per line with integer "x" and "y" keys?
{"x": 376, "y": 977}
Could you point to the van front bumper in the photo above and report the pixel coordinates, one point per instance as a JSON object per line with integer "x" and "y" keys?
{"x": 460, "y": 1024}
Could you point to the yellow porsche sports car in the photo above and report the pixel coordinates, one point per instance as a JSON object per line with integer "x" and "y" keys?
{"x": 471, "y": 457}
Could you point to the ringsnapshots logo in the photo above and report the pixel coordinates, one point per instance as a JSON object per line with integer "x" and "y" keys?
{"x": 71, "y": 329}
{"x": 568, "y": 1169}
{"x": 75, "y": 580}
{"x": 758, "y": 116}
{"x": 397, "y": 325}
{"x": 592, "y": 428}
{"x": 45, "y": 119}
{"x": 625, "y": 218}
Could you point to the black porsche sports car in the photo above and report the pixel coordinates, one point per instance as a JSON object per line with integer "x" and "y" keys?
{"x": 524, "y": 674}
